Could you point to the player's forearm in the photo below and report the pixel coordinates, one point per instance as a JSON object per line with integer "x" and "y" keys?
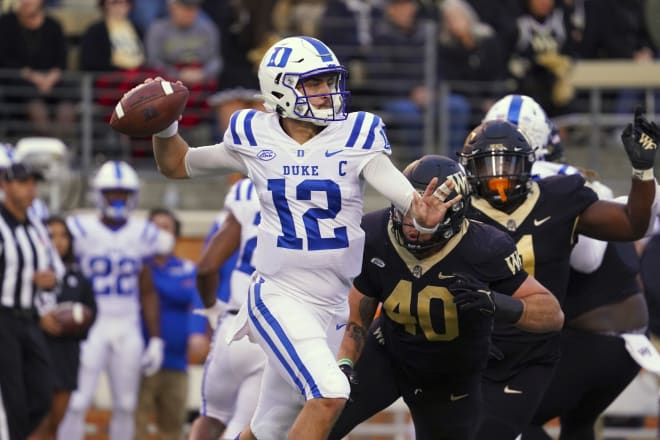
{"x": 541, "y": 313}
{"x": 170, "y": 154}
{"x": 149, "y": 303}
{"x": 640, "y": 203}
{"x": 353, "y": 342}
{"x": 207, "y": 285}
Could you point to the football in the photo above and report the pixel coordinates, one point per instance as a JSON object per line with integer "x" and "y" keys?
{"x": 74, "y": 317}
{"x": 149, "y": 108}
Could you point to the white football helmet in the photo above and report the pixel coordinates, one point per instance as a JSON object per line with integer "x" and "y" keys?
{"x": 287, "y": 64}
{"x": 116, "y": 175}
{"x": 527, "y": 114}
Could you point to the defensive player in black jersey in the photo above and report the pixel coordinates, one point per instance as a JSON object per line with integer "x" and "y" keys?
{"x": 544, "y": 219}
{"x": 439, "y": 294}
{"x": 595, "y": 366}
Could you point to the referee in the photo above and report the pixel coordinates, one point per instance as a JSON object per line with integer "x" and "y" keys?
{"x": 27, "y": 260}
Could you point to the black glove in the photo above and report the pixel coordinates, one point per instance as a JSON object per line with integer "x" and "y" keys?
{"x": 470, "y": 293}
{"x": 640, "y": 140}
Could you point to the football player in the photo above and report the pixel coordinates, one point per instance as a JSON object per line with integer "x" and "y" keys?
{"x": 232, "y": 374}
{"x": 309, "y": 160}
{"x": 603, "y": 302}
{"x": 110, "y": 249}
{"x": 430, "y": 343}
{"x": 544, "y": 219}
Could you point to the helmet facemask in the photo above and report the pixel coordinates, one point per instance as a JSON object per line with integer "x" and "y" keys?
{"x": 420, "y": 173}
{"x": 500, "y": 177}
{"x": 116, "y": 208}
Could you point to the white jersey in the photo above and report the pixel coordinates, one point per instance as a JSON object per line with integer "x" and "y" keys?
{"x": 311, "y": 199}
{"x": 242, "y": 202}
{"x": 112, "y": 260}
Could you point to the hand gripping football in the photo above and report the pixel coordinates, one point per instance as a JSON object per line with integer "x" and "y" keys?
{"x": 149, "y": 108}
{"x": 74, "y": 317}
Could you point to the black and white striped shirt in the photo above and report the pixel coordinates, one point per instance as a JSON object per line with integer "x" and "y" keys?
{"x": 25, "y": 249}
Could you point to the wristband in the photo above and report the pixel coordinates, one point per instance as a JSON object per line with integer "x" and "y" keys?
{"x": 424, "y": 230}
{"x": 168, "y": 132}
{"x": 643, "y": 174}
{"x": 345, "y": 361}
{"x": 507, "y": 309}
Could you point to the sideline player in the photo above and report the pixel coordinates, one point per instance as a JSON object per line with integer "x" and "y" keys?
{"x": 110, "y": 249}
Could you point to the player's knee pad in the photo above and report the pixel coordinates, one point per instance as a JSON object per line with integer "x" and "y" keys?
{"x": 80, "y": 401}
{"x": 336, "y": 385}
{"x": 125, "y": 403}
{"x": 274, "y": 423}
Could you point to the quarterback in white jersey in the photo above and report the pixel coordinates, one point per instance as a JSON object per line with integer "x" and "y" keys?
{"x": 110, "y": 249}
{"x": 232, "y": 372}
{"x": 308, "y": 159}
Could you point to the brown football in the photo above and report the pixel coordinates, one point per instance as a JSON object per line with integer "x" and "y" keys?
{"x": 74, "y": 317}
{"x": 149, "y": 108}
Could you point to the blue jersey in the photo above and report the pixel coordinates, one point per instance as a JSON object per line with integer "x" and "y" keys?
{"x": 177, "y": 296}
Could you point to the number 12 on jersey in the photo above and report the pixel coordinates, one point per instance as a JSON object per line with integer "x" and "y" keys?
{"x": 311, "y": 217}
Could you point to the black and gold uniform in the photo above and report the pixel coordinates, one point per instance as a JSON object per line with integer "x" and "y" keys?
{"x": 541, "y": 217}
{"x": 422, "y": 347}
{"x": 595, "y": 366}
{"x": 543, "y": 227}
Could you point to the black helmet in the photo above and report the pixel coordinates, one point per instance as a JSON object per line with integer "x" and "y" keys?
{"x": 498, "y": 160}
{"x": 420, "y": 173}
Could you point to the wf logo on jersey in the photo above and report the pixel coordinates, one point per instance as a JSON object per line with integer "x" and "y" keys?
{"x": 514, "y": 262}
{"x": 647, "y": 142}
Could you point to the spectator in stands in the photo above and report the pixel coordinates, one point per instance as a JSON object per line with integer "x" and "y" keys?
{"x": 616, "y": 29}
{"x": 144, "y": 13}
{"x": 165, "y": 394}
{"x": 186, "y": 46}
{"x": 541, "y": 55}
{"x": 34, "y": 45}
{"x": 468, "y": 50}
{"x": 113, "y": 42}
{"x": 64, "y": 349}
{"x": 246, "y": 31}
{"x": 347, "y": 26}
{"x": 395, "y": 68}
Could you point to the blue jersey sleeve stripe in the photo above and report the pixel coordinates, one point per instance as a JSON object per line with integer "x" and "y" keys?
{"x": 232, "y": 127}
{"x": 357, "y": 127}
{"x": 369, "y": 142}
{"x": 79, "y": 226}
{"x": 237, "y": 195}
{"x": 514, "y": 109}
{"x": 249, "y": 190}
{"x": 247, "y": 126}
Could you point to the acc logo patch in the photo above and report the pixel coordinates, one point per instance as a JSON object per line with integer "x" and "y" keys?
{"x": 266, "y": 155}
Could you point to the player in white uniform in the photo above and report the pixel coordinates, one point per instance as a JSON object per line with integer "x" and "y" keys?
{"x": 309, "y": 160}
{"x": 232, "y": 373}
{"x": 110, "y": 249}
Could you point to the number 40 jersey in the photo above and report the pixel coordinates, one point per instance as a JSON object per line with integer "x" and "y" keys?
{"x": 311, "y": 197}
